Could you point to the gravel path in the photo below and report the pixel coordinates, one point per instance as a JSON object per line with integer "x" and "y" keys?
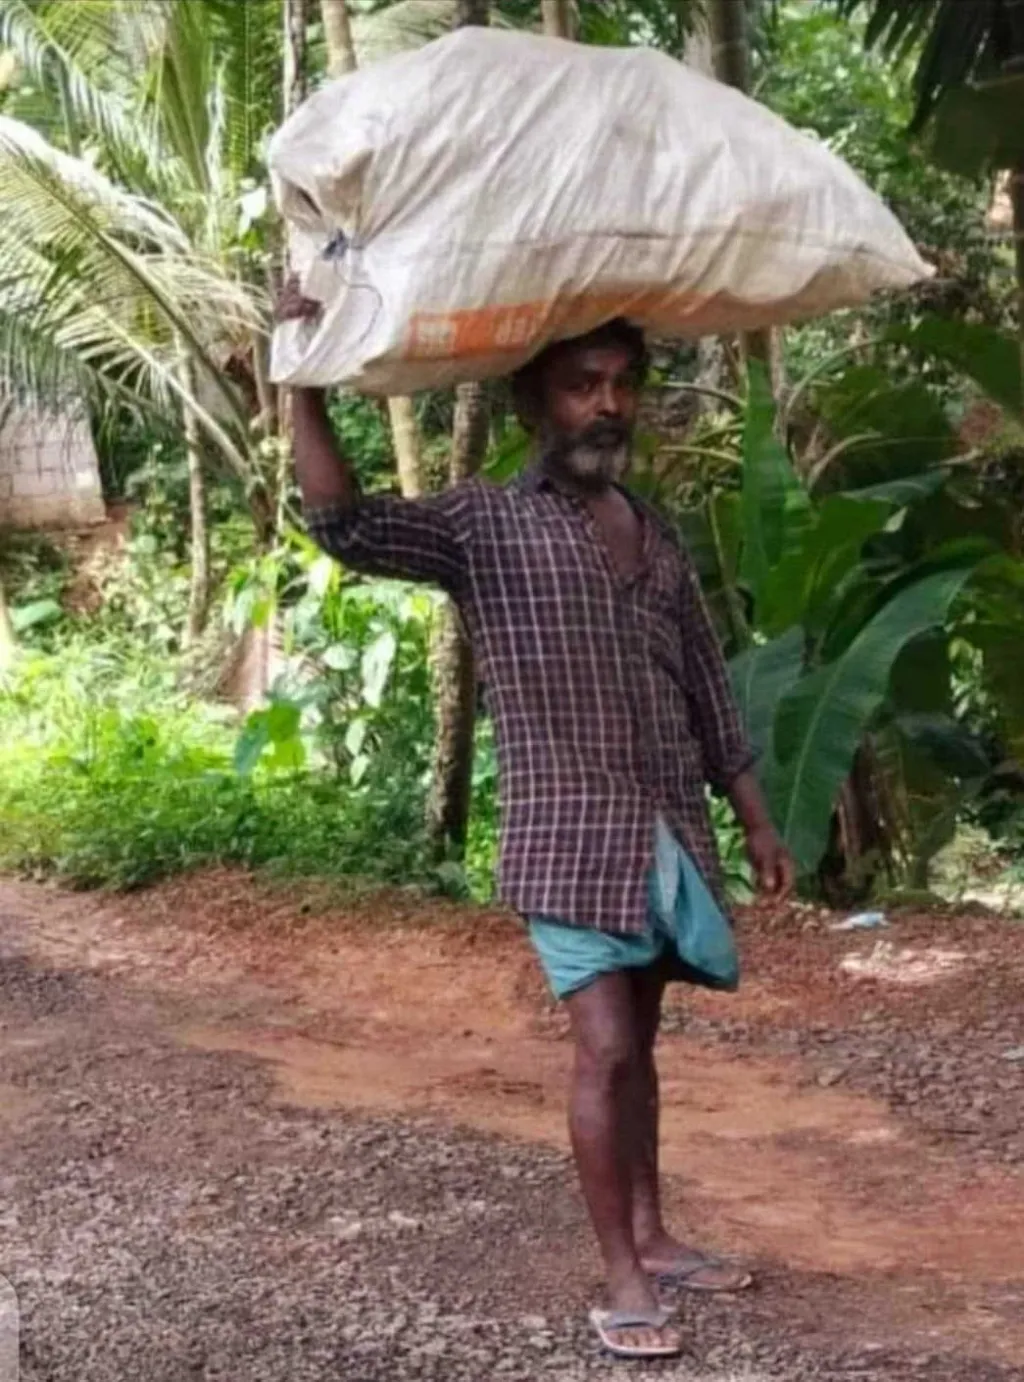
{"x": 165, "y": 1219}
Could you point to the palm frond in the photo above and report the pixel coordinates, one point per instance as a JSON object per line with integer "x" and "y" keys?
{"x": 955, "y": 41}
{"x": 248, "y": 39}
{"x": 180, "y": 86}
{"x": 78, "y": 53}
{"x": 115, "y": 282}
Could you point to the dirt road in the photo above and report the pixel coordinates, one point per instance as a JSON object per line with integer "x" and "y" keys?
{"x": 250, "y": 1136}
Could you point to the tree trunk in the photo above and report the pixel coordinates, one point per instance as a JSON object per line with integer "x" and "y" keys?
{"x": 405, "y": 437}
{"x": 713, "y": 365}
{"x": 199, "y": 545}
{"x": 8, "y": 643}
{"x": 405, "y": 432}
{"x": 296, "y": 19}
{"x": 728, "y": 27}
{"x": 730, "y": 42}
{"x": 455, "y": 686}
{"x": 559, "y": 18}
{"x": 341, "y": 51}
{"x": 1017, "y": 202}
{"x": 473, "y": 12}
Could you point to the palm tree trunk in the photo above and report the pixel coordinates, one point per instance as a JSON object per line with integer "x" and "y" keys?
{"x": 405, "y": 438}
{"x": 8, "y": 642}
{"x": 473, "y": 12}
{"x": 296, "y": 19}
{"x": 1017, "y": 201}
{"x": 405, "y": 433}
{"x": 341, "y": 51}
{"x": 559, "y": 18}
{"x": 199, "y": 546}
{"x": 729, "y": 31}
{"x": 455, "y": 687}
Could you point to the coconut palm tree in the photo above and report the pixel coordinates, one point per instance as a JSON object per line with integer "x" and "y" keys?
{"x": 127, "y": 160}
{"x": 969, "y": 85}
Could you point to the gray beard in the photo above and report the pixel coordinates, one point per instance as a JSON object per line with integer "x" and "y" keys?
{"x": 589, "y": 467}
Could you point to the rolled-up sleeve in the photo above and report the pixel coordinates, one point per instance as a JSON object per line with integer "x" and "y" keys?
{"x": 409, "y": 539}
{"x": 714, "y": 713}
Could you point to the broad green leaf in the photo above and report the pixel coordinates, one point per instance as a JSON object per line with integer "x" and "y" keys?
{"x": 761, "y": 676}
{"x": 803, "y": 584}
{"x": 378, "y": 660}
{"x": 322, "y": 575}
{"x": 288, "y": 756}
{"x": 24, "y": 617}
{"x": 902, "y": 492}
{"x": 772, "y": 496}
{"x": 283, "y": 720}
{"x": 355, "y": 737}
{"x": 509, "y": 456}
{"x": 951, "y": 746}
{"x": 1000, "y": 644}
{"x": 339, "y": 657}
{"x": 977, "y": 128}
{"x": 254, "y": 738}
{"x": 922, "y": 677}
{"x": 890, "y": 430}
{"x": 821, "y": 721}
{"x": 989, "y": 357}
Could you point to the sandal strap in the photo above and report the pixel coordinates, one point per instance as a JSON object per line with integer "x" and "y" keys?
{"x": 632, "y": 1319}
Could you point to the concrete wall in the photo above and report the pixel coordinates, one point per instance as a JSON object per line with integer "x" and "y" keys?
{"x": 49, "y": 474}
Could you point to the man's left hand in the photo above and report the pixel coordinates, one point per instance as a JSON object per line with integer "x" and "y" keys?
{"x": 771, "y": 861}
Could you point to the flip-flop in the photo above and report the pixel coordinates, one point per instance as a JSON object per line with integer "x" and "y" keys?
{"x": 609, "y": 1322}
{"x": 684, "y": 1275}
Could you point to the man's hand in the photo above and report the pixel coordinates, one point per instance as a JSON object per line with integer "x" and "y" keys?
{"x": 292, "y": 306}
{"x": 771, "y": 861}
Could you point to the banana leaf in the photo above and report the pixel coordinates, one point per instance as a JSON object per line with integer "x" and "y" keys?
{"x": 761, "y": 676}
{"x": 774, "y": 504}
{"x": 821, "y": 721}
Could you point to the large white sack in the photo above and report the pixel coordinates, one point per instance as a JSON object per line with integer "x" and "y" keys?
{"x": 458, "y": 207}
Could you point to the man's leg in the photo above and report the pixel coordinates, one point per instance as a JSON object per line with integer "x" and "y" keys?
{"x": 604, "y": 1026}
{"x": 658, "y": 1250}
{"x": 649, "y": 1231}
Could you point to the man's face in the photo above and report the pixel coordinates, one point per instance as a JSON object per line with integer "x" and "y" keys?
{"x": 589, "y": 405}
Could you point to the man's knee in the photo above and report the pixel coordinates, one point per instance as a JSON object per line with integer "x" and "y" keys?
{"x": 607, "y": 1055}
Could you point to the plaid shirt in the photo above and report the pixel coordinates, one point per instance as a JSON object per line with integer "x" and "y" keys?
{"x": 610, "y": 696}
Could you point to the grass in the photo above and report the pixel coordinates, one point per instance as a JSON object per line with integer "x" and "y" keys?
{"x": 110, "y": 777}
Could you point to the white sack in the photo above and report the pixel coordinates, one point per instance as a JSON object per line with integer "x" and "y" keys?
{"x": 459, "y": 207}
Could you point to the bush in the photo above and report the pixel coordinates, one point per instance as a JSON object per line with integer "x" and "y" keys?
{"x": 110, "y": 776}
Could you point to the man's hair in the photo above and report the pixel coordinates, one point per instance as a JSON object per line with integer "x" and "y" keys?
{"x": 620, "y": 333}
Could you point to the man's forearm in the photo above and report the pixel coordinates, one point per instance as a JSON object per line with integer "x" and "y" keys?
{"x": 324, "y": 475}
{"x": 748, "y": 801}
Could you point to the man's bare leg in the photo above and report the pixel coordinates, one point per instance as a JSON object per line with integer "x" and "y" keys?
{"x": 659, "y": 1251}
{"x": 602, "y": 1104}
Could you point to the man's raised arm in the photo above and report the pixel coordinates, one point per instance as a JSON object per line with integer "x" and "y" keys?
{"x": 381, "y": 534}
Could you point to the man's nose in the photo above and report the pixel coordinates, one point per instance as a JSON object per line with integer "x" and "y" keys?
{"x": 609, "y": 404}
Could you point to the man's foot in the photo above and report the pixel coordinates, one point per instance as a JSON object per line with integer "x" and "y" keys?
{"x": 637, "y": 1325}
{"x": 675, "y": 1264}
{"x": 637, "y": 1333}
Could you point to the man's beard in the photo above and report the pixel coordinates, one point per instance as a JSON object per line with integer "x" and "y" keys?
{"x": 597, "y": 457}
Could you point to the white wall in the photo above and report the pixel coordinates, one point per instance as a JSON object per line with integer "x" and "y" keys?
{"x": 49, "y": 474}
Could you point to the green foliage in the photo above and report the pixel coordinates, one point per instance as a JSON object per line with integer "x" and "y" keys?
{"x": 110, "y": 775}
{"x": 953, "y": 43}
{"x": 839, "y": 586}
{"x": 819, "y": 77}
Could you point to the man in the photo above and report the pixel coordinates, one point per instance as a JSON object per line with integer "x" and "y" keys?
{"x": 612, "y": 708}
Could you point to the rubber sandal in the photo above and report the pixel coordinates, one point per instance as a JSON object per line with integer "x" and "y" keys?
{"x": 609, "y": 1322}
{"x": 683, "y": 1277}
